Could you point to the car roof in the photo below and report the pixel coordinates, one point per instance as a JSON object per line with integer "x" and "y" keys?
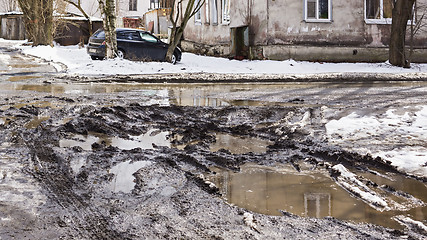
{"x": 129, "y": 29}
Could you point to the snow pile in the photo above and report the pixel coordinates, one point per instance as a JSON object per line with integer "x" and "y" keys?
{"x": 396, "y": 136}
{"x": 78, "y": 62}
{"x": 349, "y": 182}
{"x": 411, "y": 224}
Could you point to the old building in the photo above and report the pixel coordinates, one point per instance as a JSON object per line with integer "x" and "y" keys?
{"x": 315, "y": 30}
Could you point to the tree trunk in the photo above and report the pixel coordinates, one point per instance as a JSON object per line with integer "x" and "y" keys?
{"x": 109, "y": 19}
{"x": 402, "y": 12}
{"x": 193, "y": 6}
{"x": 38, "y": 15}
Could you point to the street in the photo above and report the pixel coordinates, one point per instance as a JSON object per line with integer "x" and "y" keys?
{"x": 91, "y": 159}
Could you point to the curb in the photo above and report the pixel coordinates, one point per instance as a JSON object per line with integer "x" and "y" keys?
{"x": 252, "y": 78}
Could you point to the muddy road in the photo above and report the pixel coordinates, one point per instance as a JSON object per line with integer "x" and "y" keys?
{"x": 91, "y": 160}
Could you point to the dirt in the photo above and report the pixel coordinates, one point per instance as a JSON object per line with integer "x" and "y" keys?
{"x": 84, "y": 160}
{"x": 171, "y": 199}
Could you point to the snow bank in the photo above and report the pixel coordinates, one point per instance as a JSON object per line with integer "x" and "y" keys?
{"x": 79, "y": 62}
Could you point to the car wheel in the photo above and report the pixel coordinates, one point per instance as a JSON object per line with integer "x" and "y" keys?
{"x": 120, "y": 54}
{"x": 174, "y": 59}
{"x": 94, "y": 57}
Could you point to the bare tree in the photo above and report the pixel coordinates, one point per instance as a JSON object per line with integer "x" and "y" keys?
{"x": 8, "y": 5}
{"x": 402, "y": 12}
{"x": 176, "y": 16}
{"x": 77, "y": 4}
{"x": 38, "y": 17}
{"x": 108, "y": 11}
{"x": 418, "y": 25}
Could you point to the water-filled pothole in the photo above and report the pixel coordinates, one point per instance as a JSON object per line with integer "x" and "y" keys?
{"x": 239, "y": 145}
{"x": 123, "y": 180}
{"x": 144, "y": 141}
{"x": 35, "y": 122}
{"x": 309, "y": 193}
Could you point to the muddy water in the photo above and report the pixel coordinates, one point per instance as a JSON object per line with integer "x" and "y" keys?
{"x": 144, "y": 141}
{"x": 123, "y": 180}
{"x": 268, "y": 190}
{"x": 239, "y": 145}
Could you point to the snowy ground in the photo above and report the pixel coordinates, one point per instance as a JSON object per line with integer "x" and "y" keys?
{"x": 79, "y": 63}
{"x": 399, "y": 135}
{"x": 376, "y": 133}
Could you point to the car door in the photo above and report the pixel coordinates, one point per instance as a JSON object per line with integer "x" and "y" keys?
{"x": 135, "y": 47}
{"x": 154, "y": 49}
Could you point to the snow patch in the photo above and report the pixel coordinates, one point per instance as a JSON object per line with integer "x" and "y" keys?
{"x": 375, "y": 134}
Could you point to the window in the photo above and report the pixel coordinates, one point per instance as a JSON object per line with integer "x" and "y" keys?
{"x": 317, "y": 10}
{"x": 225, "y": 6}
{"x": 154, "y": 4}
{"x": 132, "y": 5}
{"x": 207, "y": 12}
{"x": 378, "y": 11}
{"x": 147, "y": 37}
{"x": 198, "y": 15}
{"x": 214, "y": 12}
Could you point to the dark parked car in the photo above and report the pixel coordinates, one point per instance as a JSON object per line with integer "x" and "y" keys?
{"x": 132, "y": 44}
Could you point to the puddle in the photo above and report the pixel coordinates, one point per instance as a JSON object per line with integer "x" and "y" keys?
{"x": 22, "y": 78}
{"x": 35, "y": 122}
{"x": 24, "y": 65}
{"x": 239, "y": 145}
{"x": 77, "y": 163}
{"x": 267, "y": 190}
{"x": 40, "y": 104}
{"x": 144, "y": 141}
{"x": 123, "y": 180}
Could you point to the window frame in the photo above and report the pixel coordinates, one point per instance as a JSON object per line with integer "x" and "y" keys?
{"x": 317, "y": 19}
{"x": 225, "y": 12}
{"x": 381, "y": 20}
{"x": 133, "y": 5}
{"x": 214, "y": 12}
{"x": 198, "y": 15}
{"x": 207, "y": 12}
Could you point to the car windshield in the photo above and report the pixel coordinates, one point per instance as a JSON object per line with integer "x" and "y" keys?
{"x": 100, "y": 34}
{"x": 147, "y": 37}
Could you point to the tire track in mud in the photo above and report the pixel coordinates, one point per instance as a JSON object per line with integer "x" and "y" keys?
{"x": 86, "y": 220}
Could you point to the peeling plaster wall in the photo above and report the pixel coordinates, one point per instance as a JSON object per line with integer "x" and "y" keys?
{"x": 281, "y": 23}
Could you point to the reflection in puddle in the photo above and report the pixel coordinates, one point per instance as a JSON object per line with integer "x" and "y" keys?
{"x": 77, "y": 163}
{"x": 22, "y": 78}
{"x": 310, "y": 194}
{"x": 144, "y": 141}
{"x": 36, "y": 122}
{"x": 239, "y": 145}
{"x": 123, "y": 180}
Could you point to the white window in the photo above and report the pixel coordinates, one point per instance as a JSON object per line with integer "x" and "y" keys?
{"x": 317, "y": 10}
{"x": 207, "y": 12}
{"x": 198, "y": 15}
{"x": 154, "y": 4}
{"x": 225, "y": 6}
{"x": 214, "y": 12}
{"x": 378, "y": 11}
{"x": 132, "y": 5}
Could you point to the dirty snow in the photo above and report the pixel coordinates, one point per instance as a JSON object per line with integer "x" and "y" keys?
{"x": 404, "y": 128}
{"x": 78, "y": 62}
{"x": 349, "y": 181}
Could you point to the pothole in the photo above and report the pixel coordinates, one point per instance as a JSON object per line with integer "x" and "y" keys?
{"x": 313, "y": 193}
{"x": 148, "y": 140}
{"x": 35, "y": 122}
{"x": 123, "y": 180}
{"x": 239, "y": 145}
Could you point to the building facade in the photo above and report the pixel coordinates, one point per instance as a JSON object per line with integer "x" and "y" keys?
{"x": 315, "y": 30}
